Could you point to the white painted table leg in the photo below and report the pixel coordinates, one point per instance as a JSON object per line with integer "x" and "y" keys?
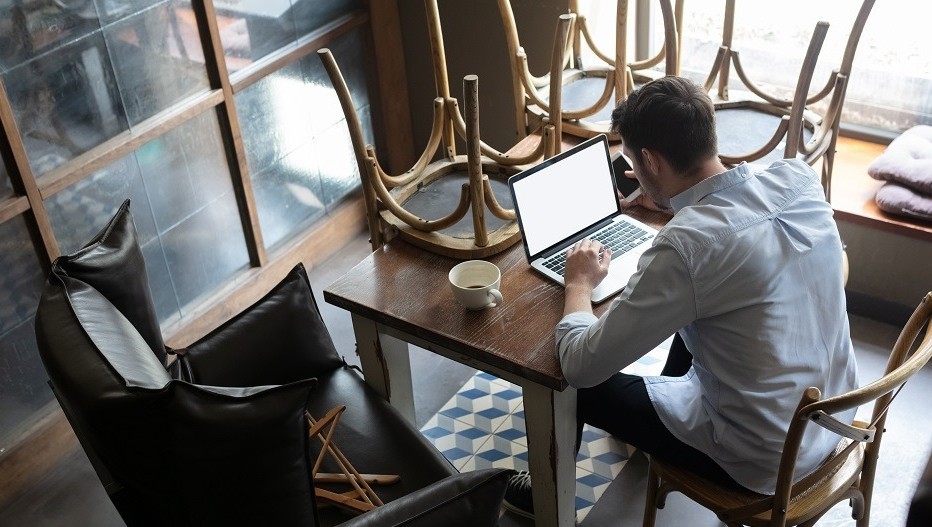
{"x": 551, "y": 429}
{"x": 386, "y": 365}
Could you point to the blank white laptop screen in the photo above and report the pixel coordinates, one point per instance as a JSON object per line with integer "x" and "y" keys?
{"x": 566, "y": 197}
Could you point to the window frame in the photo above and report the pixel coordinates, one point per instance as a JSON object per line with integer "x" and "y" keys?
{"x": 39, "y": 444}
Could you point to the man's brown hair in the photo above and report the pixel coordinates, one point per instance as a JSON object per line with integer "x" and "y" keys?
{"x": 672, "y": 116}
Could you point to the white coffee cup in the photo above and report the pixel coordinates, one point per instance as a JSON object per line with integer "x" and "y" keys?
{"x": 475, "y": 284}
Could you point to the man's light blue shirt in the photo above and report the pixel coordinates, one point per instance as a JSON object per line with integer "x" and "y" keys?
{"x": 749, "y": 271}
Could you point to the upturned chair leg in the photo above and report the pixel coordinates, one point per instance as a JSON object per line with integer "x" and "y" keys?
{"x": 362, "y": 498}
{"x": 650, "y": 504}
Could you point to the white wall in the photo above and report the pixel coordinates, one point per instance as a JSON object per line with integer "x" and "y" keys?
{"x": 888, "y": 267}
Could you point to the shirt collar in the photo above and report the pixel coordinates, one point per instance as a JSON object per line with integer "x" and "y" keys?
{"x": 711, "y": 185}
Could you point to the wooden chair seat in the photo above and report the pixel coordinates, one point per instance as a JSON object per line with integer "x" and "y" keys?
{"x": 808, "y": 503}
{"x": 578, "y": 92}
{"x": 442, "y": 195}
{"x": 744, "y": 128}
{"x": 581, "y": 91}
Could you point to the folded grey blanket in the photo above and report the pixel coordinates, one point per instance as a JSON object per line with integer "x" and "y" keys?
{"x": 907, "y": 161}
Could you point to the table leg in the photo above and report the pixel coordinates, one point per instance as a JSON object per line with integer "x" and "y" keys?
{"x": 551, "y": 429}
{"x": 386, "y": 365}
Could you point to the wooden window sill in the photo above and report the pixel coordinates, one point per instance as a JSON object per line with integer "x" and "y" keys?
{"x": 853, "y": 192}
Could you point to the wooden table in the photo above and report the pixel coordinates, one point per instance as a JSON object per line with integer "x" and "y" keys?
{"x": 400, "y": 294}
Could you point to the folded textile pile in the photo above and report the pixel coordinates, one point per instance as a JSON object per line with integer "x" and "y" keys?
{"x": 906, "y": 166}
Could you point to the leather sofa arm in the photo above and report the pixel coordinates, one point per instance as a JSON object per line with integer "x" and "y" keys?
{"x": 471, "y": 499}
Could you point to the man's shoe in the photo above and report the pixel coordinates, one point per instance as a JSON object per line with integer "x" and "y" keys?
{"x": 518, "y": 498}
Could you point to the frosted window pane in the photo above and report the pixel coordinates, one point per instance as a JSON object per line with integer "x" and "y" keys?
{"x": 301, "y": 159}
{"x": 251, "y": 29}
{"x": 289, "y": 196}
{"x": 158, "y": 58}
{"x": 184, "y": 208}
{"x": 275, "y": 115}
{"x": 339, "y": 172}
{"x": 353, "y": 55}
{"x": 34, "y": 28}
{"x": 80, "y": 211}
{"x": 188, "y": 184}
{"x": 312, "y": 14}
{"x": 65, "y": 102}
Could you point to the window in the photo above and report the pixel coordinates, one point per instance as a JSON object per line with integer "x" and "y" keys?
{"x": 108, "y": 99}
{"x": 891, "y": 82}
{"x": 308, "y": 166}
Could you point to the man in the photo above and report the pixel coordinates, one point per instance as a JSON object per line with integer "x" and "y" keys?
{"x": 748, "y": 273}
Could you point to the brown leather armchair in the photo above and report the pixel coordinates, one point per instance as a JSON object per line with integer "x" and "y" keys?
{"x": 221, "y": 436}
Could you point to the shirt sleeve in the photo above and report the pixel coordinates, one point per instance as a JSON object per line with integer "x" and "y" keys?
{"x": 658, "y": 300}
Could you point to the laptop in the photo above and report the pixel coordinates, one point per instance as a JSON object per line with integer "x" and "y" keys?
{"x": 570, "y": 197}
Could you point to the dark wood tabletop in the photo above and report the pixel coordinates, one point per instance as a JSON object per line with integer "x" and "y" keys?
{"x": 406, "y": 288}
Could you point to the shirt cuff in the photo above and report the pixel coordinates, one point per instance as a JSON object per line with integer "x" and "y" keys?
{"x": 568, "y": 332}
{"x": 575, "y": 320}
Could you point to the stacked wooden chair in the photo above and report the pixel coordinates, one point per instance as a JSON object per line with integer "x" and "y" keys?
{"x": 451, "y": 186}
{"x": 589, "y": 92}
{"x": 798, "y": 130}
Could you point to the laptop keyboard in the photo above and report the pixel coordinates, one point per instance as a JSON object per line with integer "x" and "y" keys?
{"x": 621, "y": 237}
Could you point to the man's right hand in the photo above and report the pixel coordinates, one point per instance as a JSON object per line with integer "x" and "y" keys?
{"x": 587, "y": 265}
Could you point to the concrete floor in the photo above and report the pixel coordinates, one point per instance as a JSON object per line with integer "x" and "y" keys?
{"x": 70, "y": 494}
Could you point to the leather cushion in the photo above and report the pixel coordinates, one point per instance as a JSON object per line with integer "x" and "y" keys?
{"x": 112, "y": 263}
{"x": 472, "y": 499}
{"x": 279, "y": 339}
{"x": 238, "y": 461}
{"x": 375, "y": 438}
{"x": 89, "y": 349}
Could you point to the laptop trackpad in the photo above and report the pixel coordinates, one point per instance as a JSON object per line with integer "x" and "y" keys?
{"x": 621, "y": 270}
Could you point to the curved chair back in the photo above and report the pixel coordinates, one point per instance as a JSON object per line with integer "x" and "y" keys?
{"x": 903, "y": 363}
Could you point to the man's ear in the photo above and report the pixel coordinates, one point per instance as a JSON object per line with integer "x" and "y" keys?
{"x": 651, "y": 159}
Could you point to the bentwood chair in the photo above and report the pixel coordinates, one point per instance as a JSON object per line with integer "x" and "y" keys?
{"x": 221, "y": 436}
{"x": 582, "y": 103}
{"x": 752, "y": 125}
{"x": 426, "y": 204}
{"x": 848, "y": 474}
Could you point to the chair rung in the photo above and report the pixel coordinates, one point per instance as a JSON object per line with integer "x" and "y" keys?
{"x": 829, "y": 422}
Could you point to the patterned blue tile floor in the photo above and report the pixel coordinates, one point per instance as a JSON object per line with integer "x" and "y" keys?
{"x": 482, "y": 426}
